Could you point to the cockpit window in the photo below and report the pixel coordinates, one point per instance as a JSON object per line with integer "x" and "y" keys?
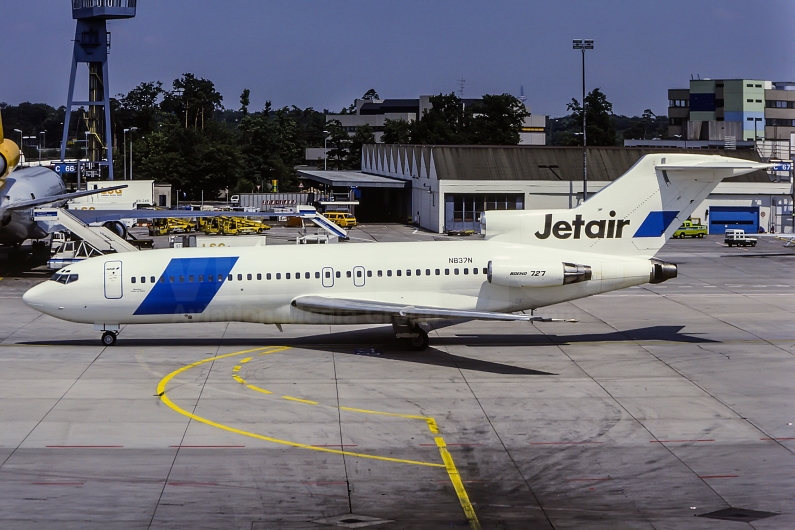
{"x": 64, "y": 278}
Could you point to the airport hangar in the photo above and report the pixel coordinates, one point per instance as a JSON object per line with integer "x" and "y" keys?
{"x": 446, "y": 188}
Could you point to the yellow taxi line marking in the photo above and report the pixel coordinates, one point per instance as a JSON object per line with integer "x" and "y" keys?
{"x": 239, "y": 379}
{"x": 366, "y": 411}
{"x": 161, "y": 391}
{"x": 247, "y": 359}
{"x": 299, "y": 400}
{"x": 236, "y": 368}
{"x": 258, "y": 389}
{"x": 458, "y": 485}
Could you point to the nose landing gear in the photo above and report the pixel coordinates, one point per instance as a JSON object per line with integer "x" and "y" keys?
{"x": 109, "y": 338}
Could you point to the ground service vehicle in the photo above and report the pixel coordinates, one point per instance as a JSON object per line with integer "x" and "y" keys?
{"x": 341, "y": 219}
{"x": 169, "y": 225}
{"x": 691, "y": 228}
{"x": 739, "y": 238}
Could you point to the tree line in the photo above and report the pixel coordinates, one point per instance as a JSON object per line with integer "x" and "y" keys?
{"x": 184, "y": 135}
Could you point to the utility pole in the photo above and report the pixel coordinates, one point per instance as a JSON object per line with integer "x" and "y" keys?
{"x": 584, "y": 44}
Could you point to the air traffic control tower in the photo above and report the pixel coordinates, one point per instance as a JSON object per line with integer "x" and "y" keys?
{"x": 92, "y": 42}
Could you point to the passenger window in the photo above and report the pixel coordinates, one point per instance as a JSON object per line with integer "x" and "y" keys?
{"x": 268, "y": 276}
{"x": 359, "y": 274}
{"x": 317, "y": 275}
{"x": 369, "y": 274}
{"x": 408, "y": 272}
{"x": 210, "y": 278}
{"x": 389, "y": 273}
{"x": 143, "y": 279}
{"x": 151, "y": 279}
{"x": 338, "y": 274}
{"x": 248, "y": 276}
{"x": 427, "y": 272}
{"x": 240, "y": 277}
{"x": 220, "y": 277}
{"x": 181, "y": 279}
{"x": 297, "y": 275}
{"x": 171, "y": 279}
{"x": 162, "y": 279}
{"x": 278, "y": 275}
{"x": 398, "y": 272}
{"x": 419, "y": 272}
{"x": 485, "y": 270}
{"x": 229, "y": 277}
{"x": 348, "y": 274}
{"x": 328, "y": 274}
{"x": 201, "y": 278}
{"x": 286, "y": 275}
{"x": 438, "y": 272}
{"x": 466, "y": 271}
{"x": 447, "y": 272}
{"x": 380, "y": 273}
{"x": 455, "y": 271}
{"x": 307, "y": 275}
{"x": 259, "y": 276}
{"x": 190, "y": 278}
{"x": 132, "y": 280}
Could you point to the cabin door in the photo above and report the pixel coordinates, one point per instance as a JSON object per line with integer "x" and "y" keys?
{"x": 113, "y": 279}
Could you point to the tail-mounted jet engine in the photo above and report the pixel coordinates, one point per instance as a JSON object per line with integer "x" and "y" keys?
{"x": 661, "y": 271}
{"x": 537, "y": 275}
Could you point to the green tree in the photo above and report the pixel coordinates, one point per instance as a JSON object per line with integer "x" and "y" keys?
{"x": 397, "y": 132}
{"x": 496, "y": 120}
{"x": 371, "y": 95}
{"x": 338, "y": 144}
{"x": 193, "y": 99}
{"x": 363, "y": 135}
{"x": 445, "y": 123}
{"x": 599, "y": 122}
{"x": 245, "y": 101}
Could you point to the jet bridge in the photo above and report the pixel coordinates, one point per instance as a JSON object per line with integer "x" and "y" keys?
{"x": 99, "y": 237}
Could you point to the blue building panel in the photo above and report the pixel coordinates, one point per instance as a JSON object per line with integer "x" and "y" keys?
{"x": 722, "y": 218}
{"x": 702, "y": 102}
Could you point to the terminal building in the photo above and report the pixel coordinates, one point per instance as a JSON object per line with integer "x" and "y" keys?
{"x": 447, "y": 188}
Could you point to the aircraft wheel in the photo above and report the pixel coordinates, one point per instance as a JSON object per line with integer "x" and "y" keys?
{"x": 108, "y": 338}
{"x": 420, "y": 342}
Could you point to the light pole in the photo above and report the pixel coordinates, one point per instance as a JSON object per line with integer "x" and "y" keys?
{"x": 325, "y": 149}
{"x": 584, "y": 44}
{"x": 20, "y": 143}
{"x": 43, "y": 143}
{"x": 131, "y": 129}
{"x": 756, "y": 136}
{"x": 124, "y": 140}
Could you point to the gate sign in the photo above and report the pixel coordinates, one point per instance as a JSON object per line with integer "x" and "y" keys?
{"x": 65, "y": 168}
{"x": 782, "y": 166}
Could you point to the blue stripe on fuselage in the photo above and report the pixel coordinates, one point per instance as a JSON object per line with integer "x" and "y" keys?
{"x": 177, "y": 297}
{"x": 656, "y": 223}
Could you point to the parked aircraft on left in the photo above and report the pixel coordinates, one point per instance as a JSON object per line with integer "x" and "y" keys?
{"x": 22, "y": 189}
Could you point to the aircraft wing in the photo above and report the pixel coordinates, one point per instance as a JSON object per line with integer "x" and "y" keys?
{"x": 100, "y": 216}
{"x": 32, "y": 203}
{"x": 342, "y": 306}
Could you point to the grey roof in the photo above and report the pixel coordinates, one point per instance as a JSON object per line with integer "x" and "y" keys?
{"x": 351, "y": 178}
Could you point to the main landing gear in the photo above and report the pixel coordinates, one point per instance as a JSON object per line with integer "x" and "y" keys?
{"x": 411, "y": 332}
{"x": 109, "y": 338}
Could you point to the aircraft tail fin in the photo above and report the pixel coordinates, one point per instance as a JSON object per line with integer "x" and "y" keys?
{"x": 9, "y": 153}
{"x": 633, "y": 216}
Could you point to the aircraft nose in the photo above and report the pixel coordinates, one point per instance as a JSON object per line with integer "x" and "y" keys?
{"x": 35, "y": 297}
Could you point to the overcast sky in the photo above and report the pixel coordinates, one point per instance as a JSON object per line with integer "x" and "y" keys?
{"x": 323, "y": 54}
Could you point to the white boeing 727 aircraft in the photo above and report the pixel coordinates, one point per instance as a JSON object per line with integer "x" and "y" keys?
{"x": 529, "y": 259}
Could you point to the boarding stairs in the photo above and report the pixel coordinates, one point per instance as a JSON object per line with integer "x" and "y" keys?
{"x": 308, "y": 213}
{"x": 99, "y": 237}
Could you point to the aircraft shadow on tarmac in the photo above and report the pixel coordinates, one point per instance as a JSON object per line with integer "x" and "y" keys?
{"x": 358, "y": 342}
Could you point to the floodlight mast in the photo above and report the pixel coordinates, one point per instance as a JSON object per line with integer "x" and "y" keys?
{"x": 91, "y": 44}
{"x": 584, "y": 44}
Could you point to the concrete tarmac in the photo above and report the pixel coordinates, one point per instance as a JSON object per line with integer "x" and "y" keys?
{"x": 664, "y": 404}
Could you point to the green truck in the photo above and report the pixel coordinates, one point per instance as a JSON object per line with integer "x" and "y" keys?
{"x": 691, "y": 228}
